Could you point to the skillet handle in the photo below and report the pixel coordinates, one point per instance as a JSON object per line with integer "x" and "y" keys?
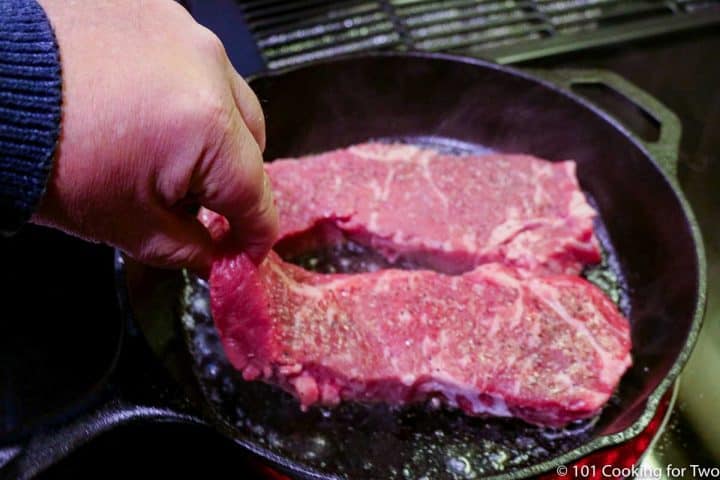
{"x": 56, "y": 442}
{"x": 665, "y": 149}
{"x": 138, "y": 390}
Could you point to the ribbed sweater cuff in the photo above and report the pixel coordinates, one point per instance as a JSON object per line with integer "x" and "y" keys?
{"x": 30, "y": 98}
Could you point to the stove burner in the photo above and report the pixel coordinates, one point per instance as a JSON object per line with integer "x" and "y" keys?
{"x": 289, "y": 33}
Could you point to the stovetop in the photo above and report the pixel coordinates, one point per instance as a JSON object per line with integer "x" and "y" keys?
{"x": 683, "y": 72}
{"x": 292, "y": 32}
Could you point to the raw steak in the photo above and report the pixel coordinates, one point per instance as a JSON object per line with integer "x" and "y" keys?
{"x": 509, "y": 334}
{"x": 449, "y": 213}
{"x": 547, "y": 349}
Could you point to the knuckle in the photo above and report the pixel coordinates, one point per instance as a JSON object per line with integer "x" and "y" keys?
{"x": 215, "y": 114}
{"x": 251, "y": 109}
{"x": 211, "y": 43}
{"x": 165, "y": 253}
{"x": 209, "y": 113}
{"x": 198, "y": 128}
{"x": 257, "y": 121}
{"x": 176, "y": 9}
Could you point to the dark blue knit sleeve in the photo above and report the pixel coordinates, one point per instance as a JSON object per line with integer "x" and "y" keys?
{"x": 30, "y": 98}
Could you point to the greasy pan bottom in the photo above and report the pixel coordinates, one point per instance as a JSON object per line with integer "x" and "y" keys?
{"x": 377, "y": 441}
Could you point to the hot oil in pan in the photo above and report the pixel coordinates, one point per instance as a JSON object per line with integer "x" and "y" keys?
{"x": 377, "y": 441}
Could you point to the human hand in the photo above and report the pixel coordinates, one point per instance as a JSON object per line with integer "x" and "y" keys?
{"x": 155, "y": 119}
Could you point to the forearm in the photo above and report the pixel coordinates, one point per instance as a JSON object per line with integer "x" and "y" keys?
{"x": 30, "y": 100}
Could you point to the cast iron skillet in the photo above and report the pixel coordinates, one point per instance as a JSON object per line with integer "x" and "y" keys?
{"x": 651, "y": 236}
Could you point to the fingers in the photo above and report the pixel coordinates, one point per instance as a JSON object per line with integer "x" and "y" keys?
{"x": 236, "y": 187}
{"x": 178, "y": 241}
{"x": 257, "y": 247}
{"x": 249, "y": 106}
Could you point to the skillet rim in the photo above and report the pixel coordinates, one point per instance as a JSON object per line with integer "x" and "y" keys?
{"x": 671, "y": 179}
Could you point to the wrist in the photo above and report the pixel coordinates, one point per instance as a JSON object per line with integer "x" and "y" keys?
{"x": 30, "y": 98}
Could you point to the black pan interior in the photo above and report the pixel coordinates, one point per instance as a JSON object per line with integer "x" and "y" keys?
{"x": 343, "y": 102}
